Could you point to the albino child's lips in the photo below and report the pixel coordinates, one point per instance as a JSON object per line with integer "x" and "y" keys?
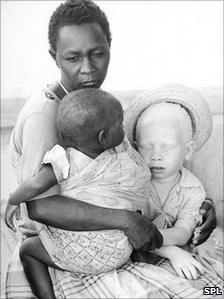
{"x": 157, "y": 169}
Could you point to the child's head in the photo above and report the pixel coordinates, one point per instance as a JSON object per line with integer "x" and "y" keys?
{"x": 164, "y": 137}
{"x": 90, "y": 118}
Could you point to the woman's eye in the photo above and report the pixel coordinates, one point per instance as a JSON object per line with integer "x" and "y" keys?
{"x": 73, "y": 59}
{"x": 97, "y": 54}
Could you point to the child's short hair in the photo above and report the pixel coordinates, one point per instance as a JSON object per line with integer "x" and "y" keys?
{"x": 170, "y": 111}
{"x": 83, "y": 113}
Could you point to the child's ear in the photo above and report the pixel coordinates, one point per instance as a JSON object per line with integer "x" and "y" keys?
{"x": 189, "y": 150}
{"x": 102, "y": 137}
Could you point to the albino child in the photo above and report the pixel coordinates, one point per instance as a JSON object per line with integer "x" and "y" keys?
{"x": 165, "y": 139}
{"x": 98, "y": 166}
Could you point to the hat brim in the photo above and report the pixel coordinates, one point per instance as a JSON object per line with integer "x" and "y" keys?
{"x": 190, "y": 99}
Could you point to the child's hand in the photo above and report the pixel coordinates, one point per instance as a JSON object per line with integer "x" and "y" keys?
{"x": 10, "y": 212}
{"x": 185, "y": 265}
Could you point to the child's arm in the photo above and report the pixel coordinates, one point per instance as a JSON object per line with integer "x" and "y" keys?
{"x": 34, "y": 186}
{"x": 175, "y": 236}
{"x": 182, "y": 261}
{"x": 187, "y": 219}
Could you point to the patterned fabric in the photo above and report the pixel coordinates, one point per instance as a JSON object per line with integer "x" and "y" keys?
{"x": 133, "y": 280}
{"x": 119, "y": 179}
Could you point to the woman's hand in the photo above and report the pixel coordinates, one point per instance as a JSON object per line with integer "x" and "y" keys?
{"x": 142, "y": 233}
{"x": 184, "y": 263}
{"x": 208, "y": 213}
{"x": 10, "y": 212}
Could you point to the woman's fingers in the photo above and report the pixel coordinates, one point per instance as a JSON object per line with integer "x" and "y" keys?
{"x": 208, "y": 213}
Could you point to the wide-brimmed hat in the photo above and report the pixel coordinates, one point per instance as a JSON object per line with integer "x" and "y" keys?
{"x": 188, "y": 98}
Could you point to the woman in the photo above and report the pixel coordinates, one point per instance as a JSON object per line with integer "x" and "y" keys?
{"x": 79, "y": 38}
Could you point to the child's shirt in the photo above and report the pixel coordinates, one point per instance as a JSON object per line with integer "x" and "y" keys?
{"x": 181, "y": 207}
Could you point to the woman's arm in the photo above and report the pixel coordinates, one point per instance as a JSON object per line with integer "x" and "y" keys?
{"x": 71, "y": 214}
{"x": 34, "y": 186}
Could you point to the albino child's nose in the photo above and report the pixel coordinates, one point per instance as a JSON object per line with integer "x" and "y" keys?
{"x": 156, "y": 157}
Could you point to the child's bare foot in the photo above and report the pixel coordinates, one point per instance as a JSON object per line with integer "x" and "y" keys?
{"x": 144, "y": 257}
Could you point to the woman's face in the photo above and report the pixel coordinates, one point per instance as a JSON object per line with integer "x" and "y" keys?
{"x": 82, "y": 56}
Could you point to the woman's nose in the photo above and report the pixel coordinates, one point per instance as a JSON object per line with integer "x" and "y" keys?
{"x": 87, "y": 66}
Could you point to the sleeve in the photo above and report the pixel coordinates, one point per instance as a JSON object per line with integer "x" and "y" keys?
{"x": 189, "y": 216}
{"x": 39, "y": 135}
{"x": 58, "y": 159}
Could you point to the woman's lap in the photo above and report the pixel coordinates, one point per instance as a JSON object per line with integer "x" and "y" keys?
{"x": 136, "y": 280}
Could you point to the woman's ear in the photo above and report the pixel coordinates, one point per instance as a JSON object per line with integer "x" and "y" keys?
{"x": 189, "y": 150}
{"x": 53, "y": 55}
{"x": 102, "y": 137}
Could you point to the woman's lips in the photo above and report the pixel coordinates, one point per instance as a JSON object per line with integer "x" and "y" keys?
{"x": 89, "y": 83}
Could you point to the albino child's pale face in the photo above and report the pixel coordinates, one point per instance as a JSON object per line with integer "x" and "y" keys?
{"x": 162, "y": 144}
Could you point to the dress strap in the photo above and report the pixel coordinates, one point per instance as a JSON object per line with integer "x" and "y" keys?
{"x": 57, "y": 90}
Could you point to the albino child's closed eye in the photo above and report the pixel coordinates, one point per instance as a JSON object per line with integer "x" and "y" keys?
{"x": 169, "y": 146}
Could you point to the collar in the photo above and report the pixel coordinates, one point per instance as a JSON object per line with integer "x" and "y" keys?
{"x": 188, "y": 180}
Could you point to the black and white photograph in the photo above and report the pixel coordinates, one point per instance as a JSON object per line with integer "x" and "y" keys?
{"x": 111, "y": 149}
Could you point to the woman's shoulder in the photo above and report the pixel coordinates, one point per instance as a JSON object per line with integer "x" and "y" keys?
{"x": 40, "y": 102}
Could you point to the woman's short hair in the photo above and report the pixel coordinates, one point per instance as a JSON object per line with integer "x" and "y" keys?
{"x": 76, "y": 12}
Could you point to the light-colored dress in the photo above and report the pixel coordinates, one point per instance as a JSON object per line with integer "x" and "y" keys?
{"x": 119, "y": 179}
{"x": 133, "y": 280}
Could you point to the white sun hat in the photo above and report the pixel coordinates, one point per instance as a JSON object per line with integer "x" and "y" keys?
{"x": 188, "y": 98}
